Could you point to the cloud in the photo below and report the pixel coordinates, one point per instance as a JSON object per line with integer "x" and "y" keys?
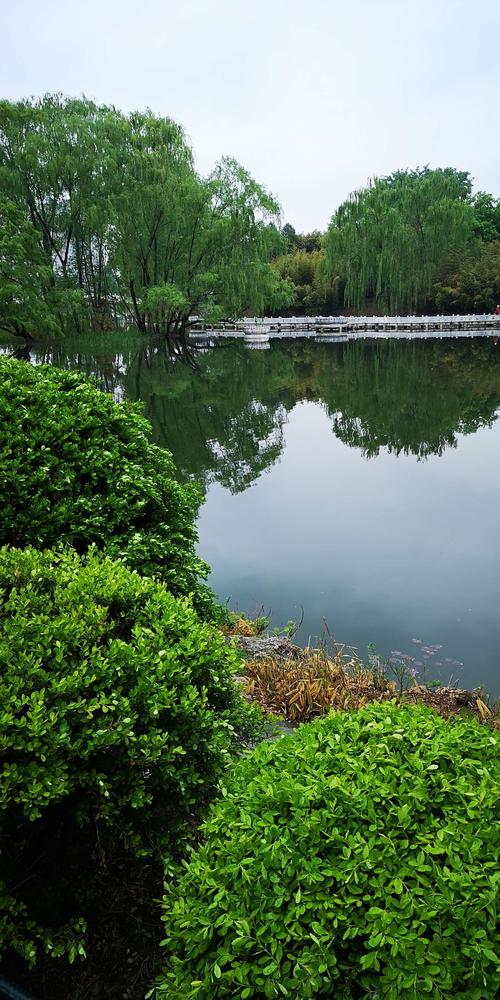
{"x": 313, "y": 98}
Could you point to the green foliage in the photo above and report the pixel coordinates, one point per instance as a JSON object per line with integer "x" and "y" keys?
{"x": 487, "y": 216}
{"x": 126, "y": 231}
{"x": 416, "y": 240}
{"x": 163, "y": 301}
{"x": 389, "y": 240}
{"x": 303, "y": 267}
{"x": 313, "y": 294}
{"x": 356, "y": 858}
{"x": 24, "y": 275}
{"x": 309, "y": 242}
{"x": 118, "y": 712}
{"x": 78, "y": 468}
{"x": 474, "y": 284}
{"x": 62, "y": 162}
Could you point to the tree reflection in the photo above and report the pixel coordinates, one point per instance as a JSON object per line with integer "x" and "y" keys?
{"x": 221, "y": 417}
{"x": 412, "y": 397}
{"x": 222, "y": 411}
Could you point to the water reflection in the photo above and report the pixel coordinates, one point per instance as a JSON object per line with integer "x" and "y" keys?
{"x": 414, "y": 398}
{"x": 222, "y": 411}
{"x": 380, "y": 510}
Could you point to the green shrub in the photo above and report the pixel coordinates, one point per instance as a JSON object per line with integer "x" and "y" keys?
{"x": 76, "y": 467}
{"x": 355, "y": 859}
{"x": 118, "y": 710}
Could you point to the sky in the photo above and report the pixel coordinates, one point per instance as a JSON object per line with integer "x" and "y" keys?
{"x": 313, "y": 97}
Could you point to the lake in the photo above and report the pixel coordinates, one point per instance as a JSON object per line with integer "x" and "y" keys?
{"x": 356, "y": 485}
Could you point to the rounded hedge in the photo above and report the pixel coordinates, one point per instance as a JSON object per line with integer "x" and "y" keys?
{"x": 358, "y": 858}
{"x": 78, "y": 468}
{"x": 118, "y": 710}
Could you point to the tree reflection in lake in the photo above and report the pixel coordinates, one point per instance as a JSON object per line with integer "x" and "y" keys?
{"x": 380, "y": 513}
{"x": 223, "y": 417}
{"x": 222, "y": 411}
{"x": 413, "y": 397}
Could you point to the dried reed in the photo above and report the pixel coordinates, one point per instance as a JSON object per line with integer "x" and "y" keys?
{"x": 312, "y": 684}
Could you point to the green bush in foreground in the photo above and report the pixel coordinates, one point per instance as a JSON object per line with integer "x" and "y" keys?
{"x": 356, "y": 859}
{"x": 78, "y": 468}
{"x": 118, "y": 710}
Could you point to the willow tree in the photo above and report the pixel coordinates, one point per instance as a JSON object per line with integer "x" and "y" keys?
{"x": 24, "y": 276}
{"x": 187, "y": 246}
{"x": 126, "y": 231}
{"x": 61, "y": 162}
{"x": 388, "y": 242}
{"x": 487, "y": 216}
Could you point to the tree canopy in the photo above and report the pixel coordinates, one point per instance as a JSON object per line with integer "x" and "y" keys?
{"x": 108, "y": 223}
{"x": 390, "y": 240}
{"x": 416, "y": 241}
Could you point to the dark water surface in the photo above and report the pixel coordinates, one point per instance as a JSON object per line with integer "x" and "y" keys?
{"x": 358, "y": 481}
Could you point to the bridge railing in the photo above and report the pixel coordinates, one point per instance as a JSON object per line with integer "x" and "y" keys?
{"x": 296, "y": 325}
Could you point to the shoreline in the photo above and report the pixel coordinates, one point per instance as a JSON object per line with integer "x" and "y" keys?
{"x": 299, "y": 684}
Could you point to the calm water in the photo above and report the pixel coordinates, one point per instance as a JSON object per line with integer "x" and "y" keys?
{"x": 358, "y": 482}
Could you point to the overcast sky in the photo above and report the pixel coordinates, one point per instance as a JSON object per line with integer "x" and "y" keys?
{"x": 312, "y": 96}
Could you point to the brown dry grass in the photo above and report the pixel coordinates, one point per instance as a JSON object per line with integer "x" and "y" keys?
{"x": 312, "y": 684}
{"x": 300, "y": 689}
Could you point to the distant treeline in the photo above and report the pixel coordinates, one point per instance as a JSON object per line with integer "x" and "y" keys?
{"x": 417, "y": 241}
{"x": 105, "y": 222}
